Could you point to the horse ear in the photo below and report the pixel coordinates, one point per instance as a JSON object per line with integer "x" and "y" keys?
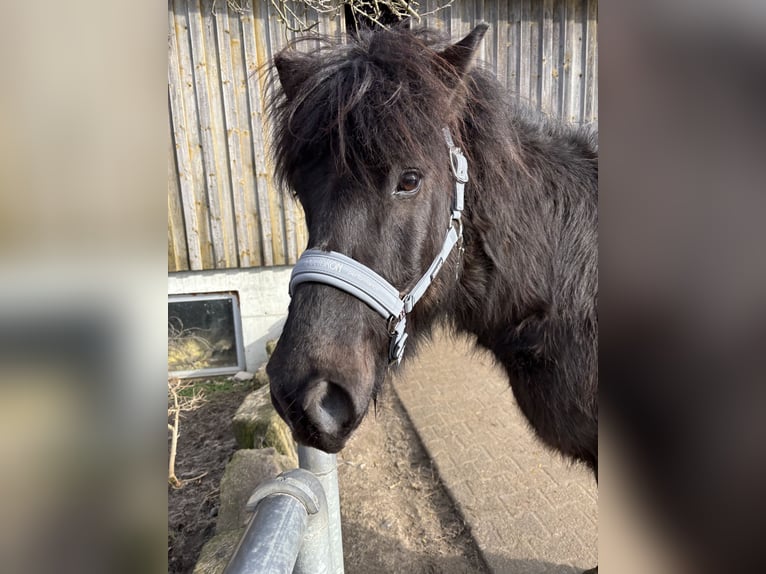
{"x": 293, "y": 69}
{"x": 461, "y": 55}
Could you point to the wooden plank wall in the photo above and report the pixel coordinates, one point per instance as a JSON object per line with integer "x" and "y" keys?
{"x": 224, "y": 210}
{"x": 544, "y": 51}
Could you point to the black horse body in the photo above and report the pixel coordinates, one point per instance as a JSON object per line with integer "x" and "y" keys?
{"x": 351, "y": 121}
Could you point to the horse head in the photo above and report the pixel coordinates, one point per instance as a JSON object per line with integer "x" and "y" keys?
{"x": 360, "y": 140}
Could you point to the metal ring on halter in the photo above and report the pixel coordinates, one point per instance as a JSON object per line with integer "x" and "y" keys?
{"x": 393, "y": 321}
{"x": 459, "y": 230}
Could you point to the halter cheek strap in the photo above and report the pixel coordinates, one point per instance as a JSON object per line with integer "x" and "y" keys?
{"x": 344, "y": 273}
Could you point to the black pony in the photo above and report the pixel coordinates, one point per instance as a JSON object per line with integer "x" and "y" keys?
{"x": 359, "y": 138}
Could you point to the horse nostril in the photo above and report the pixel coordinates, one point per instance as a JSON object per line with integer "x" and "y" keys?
{"x": 329, "y": 407}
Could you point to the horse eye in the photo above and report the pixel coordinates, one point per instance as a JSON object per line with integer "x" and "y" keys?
{"x": 409, "y": 182}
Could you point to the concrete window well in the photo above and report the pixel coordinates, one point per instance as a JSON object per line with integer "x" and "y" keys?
{"x": 204, "y": 335}
{"x": 259, "y": 306}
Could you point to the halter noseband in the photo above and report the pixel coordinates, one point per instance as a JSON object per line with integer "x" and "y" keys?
{"x": 346, "y": 274}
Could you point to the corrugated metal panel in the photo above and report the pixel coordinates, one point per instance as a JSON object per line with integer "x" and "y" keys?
{"x": 223, "y": 208}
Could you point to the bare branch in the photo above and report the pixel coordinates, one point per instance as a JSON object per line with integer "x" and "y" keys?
{"x": 371, "y": 10}
{"x": 178, "y": 403}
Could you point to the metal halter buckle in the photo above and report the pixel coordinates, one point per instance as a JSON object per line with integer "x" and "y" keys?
{"x": 459, "y": 164}
{"x": 397, "y": 326}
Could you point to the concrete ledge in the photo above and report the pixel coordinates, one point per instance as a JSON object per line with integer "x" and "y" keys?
{"x": 246, "y": 470}
{"x": 257, "y": 425}
{"x": 217, "y": 551}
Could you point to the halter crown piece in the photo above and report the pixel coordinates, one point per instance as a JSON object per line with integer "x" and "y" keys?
{"x": 346, "y": 274}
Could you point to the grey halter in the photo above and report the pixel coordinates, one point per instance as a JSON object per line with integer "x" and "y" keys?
{"x": 346, "y": 274}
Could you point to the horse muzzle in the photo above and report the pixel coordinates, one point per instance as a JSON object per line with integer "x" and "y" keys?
{"x": 321, "y": 413}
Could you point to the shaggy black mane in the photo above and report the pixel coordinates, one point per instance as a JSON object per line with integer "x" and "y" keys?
{"x": 392, "y": 78}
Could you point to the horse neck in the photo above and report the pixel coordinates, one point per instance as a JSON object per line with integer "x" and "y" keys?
{"x": 530, "y": 223}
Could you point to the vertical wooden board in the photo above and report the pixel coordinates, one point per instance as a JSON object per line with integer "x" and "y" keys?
{"x": 245, "y": 217}
{"x": 430, "y": 18}
{"x": 567, "y": 82}
{"x": 257, "y": 196}
{"x": 257, "y": 221}
{"x": 331, "y": 24}
{"x": 180, "y": 151}
{"x": 294, "y": 216}
{"x": 334, "y": 26}
{"x": 257, "y": 41}
{"x": 577, "y": 92}
{"x": 296, "y": 234}
{"x": 591, "y": 63}
{"x": 171, "y": 253}
{"x": 456, "y": 21}
{"x": 426, "y": 20}
{"x": 525, "y": 44}
{"x": 219, "y": 26}
{"x": 180, "y": 142}
{"x": 546, "y": 54}
{"x": 491, "y": 17}
{"x": 265, "y": 38}
{"x": 535, "y": 55}
{"x": 277, "y": 36}
{"x": 466, "y": 19}
{"x": 277, "y": 31}
{"x": 291, "y": 219}
{"x": 187, "y": 85}
{"x": 192, "y": 109}
{"x": 485, "y": 48}
{"x": 502, "y": 42}
{"x": 269, "y": 202}
{"x": 595, "y": 83}
{"x": 514, "y": 48}
{"x": 268, "y": 44}
{"x": 266, "y": 41}
{"x": 184, "y": 126}
{"x": 211, "y": 185}
{"x": 245, "y": 221}
{"x": 445, "y": 19}
{"x": 298, "y": 12}
{"x": 309, "y": 16}
{"x": 221, "y": 148}
{"x": 178, "y": 259}
{"x": 173, "y": 256}
{"x": 559, "y": 29}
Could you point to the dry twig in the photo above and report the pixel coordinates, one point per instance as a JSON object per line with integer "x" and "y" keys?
{"x": 178, "y": 403}
{"x": 301, "y": 16}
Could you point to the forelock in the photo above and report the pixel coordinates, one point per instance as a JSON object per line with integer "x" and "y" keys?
{"x": 384, "y": 92}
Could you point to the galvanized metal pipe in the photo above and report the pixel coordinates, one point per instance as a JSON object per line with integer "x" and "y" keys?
{"x": 325, "y": 467}
{"x": 290, "y": 518}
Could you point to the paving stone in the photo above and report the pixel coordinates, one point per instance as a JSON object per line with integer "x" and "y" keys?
{"x": 528, "y": 509}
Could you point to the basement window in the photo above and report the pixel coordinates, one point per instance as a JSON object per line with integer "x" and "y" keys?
{"x": 204, "y": 335}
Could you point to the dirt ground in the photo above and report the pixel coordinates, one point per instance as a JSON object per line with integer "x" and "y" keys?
{"x": 205, "y": 444}
{"x": 396, "y": 515}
